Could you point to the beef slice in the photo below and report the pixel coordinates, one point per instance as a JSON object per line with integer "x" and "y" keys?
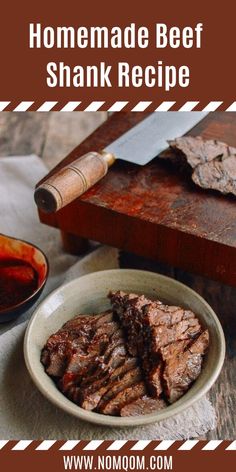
{"x": 213, "y": 162}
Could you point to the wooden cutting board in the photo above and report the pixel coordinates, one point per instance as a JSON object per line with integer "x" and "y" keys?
{"x": 156, "y": 211}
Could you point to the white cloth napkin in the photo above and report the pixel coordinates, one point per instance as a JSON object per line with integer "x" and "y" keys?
{"x": 24, "y": 412}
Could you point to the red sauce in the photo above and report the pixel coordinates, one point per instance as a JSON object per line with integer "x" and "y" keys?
{"x": 18, "y": 280}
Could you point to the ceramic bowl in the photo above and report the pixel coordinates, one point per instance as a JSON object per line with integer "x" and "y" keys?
{"x": 88, "y": 294}
{"x": 18, "y": 249}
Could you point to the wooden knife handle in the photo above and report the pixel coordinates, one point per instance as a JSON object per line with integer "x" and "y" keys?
{"x": 72, "y": 181}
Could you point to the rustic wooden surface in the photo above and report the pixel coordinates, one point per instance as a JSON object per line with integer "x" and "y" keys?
{"x": 155, "y": 210}
{"x": 51, "y": 136}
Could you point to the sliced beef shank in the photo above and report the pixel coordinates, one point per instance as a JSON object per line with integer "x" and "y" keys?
{"x": 125, "y": 396}
{"x": 143, "y": 406}
{"x": 183, "y": 363}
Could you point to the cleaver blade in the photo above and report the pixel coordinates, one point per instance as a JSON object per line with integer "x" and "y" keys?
{"x": 139, "y": 145}
{"x": 149, "y": 138}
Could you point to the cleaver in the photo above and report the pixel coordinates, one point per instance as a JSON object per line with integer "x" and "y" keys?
{"x": 139, "y": 145}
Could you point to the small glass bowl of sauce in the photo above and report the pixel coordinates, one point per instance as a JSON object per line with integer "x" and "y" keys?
{"x": 23, "y": 274}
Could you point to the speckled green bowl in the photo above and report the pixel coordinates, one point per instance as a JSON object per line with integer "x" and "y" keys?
{"x": 88, "y": 294}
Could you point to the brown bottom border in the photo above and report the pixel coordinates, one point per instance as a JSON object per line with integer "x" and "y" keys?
{"x": 179, "y": 456}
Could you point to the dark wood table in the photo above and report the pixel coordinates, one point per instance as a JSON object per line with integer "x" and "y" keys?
{"x": 155, "y": 210}
{"x": 31, "y": 133}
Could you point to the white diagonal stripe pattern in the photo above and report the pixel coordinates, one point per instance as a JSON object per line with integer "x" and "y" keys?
{"x": 231, "y": 446}
{"x": 23, "y": 106}
{"x": 94, "y": 106}
{"x": 188, "y": 106}
{"x": 3, "y": 443}
{"x": 188, "y": 445}
{"x": 117, "y": 445}
{"x": 3, "y": 105}
{"x": 69, "y": 445}
{"x": 45, "y": 445}
{"x": 93, "y": 445}
{"x": 70, "y": 106}
{"x": 232, "y": 107}
{"x": 140, "y": 445}
{"x": 212, "y": 106}
{"x": 165, "y": 106}
{"x": 212, "y": 445}
{"x": 21, "y": 445}
{"x": 117, "y": 106}
{"x": 164, "y": 445}
{"x": 141, "y": 106}
{"x": 47, "y": 106}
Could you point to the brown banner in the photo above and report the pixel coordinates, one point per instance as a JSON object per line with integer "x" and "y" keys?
{"x": 178, "y": 456}
{"x": 23, "y": 70}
